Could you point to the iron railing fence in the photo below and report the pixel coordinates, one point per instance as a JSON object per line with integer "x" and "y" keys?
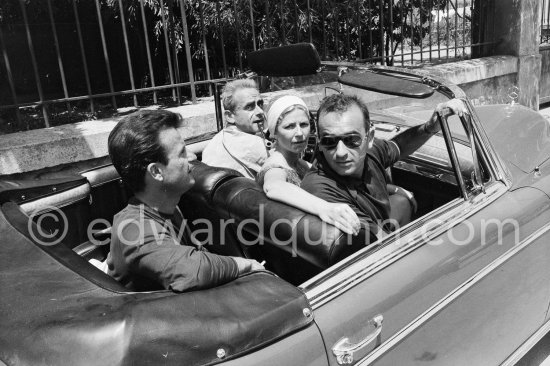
{"x": 545, "y": 22}
{"x": 70, "y": 60}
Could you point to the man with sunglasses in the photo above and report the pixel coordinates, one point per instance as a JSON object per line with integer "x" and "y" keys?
{"x": 351, "y": 163}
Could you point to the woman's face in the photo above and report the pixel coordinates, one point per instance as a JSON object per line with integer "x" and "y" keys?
{"x": 292, "y": 132}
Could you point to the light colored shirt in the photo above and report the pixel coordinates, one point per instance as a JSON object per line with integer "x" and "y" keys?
{"x": 232, "y": 148}
{"x": 277, "y": 160}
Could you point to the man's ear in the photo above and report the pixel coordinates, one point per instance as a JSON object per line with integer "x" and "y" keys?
{"x": 155, "y": 171}
{"x": 229, "y": 116}
{"x": 370, "y": 138}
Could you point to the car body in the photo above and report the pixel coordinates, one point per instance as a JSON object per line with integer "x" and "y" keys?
{"x": 465, "y": 282}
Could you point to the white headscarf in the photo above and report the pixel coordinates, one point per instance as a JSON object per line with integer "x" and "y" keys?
{"x": 280, "y": 106}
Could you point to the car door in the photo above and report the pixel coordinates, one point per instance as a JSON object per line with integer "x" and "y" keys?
{"x": 456, "y": 274}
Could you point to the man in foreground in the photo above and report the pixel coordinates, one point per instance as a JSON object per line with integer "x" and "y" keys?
{"x": 150, "y": 248}
{"x": 237, "y": 145}
{"x": 351, "y": 163}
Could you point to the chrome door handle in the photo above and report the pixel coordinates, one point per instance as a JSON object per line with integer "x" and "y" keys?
{"x": 344, "y": 350}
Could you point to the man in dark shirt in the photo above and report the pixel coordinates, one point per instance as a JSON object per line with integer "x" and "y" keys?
{"x": 351, "y": 163}
{"x": 150, "y": 248}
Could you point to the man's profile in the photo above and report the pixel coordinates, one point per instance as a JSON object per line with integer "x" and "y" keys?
{"x": 150, "y": 249}
{"x": 237, "y": 145}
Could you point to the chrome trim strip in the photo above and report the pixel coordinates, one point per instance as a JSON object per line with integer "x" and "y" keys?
{"x": 356, "y": 268}
{"x": 527, "y": 345}
{"x": 56, "y": 200}
{"x": 459, "y": 290}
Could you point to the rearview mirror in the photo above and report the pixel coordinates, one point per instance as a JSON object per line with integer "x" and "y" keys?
{"x": 292, "y": 60}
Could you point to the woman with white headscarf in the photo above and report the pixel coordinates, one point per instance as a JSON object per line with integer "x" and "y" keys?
{"x": 281, "y": 174}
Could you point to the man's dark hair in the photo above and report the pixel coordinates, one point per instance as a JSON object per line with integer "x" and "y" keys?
{"x": 134, "y": 144}
{"x": 340, "y": 103}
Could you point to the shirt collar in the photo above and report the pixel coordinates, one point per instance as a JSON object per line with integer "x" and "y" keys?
{"x": 324, "y": 168}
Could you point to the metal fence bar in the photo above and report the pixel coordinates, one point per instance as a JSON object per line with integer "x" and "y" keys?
{"x": 127, "y": 48}
{"x": 392, "y": 53}
{"x": 167, "y": 47}
{"x": 309, "y": 22}
{"x": 105, "y": 53}
{"x": 430, "y": 22}
{"x": 148, "y": 49}
{"x": 447, "y": 30}
{"x": 251, "y": 24}
{"x": 175, "y": 60}
{"x": 10, "y": 78}
{"x": 237, "y": 30}
{"x": 382, "y": 40}
{"x": 297, "y": 21}
{"x": 480, "y": 25}
{"x": 268, "y": 24}
{"x": 83, "y": 56}
{"x": 336, "y": 33}
{"x": 547, "y": 22}
{"x": 205, "y": 47}
{"x": 359, "y": 36}
{"x": 34, "y": 63}
{"x": 456, "y": 26}
{"x": 59, "y": 60}
{"x": 324, "y": 30}
{"x": 542, "y": 21}
{"x": 188, "y": 50}
{"x": 282, "y": 17}
{"x": 421, "y": 33}
{"x": 438, "y": 36}
{"x": 494, "y": 26}
{"x": 348, "y": 45}
{"x": 222, "y": 45}
{"x": 411, "y": 44}
{"x": 464, "y": 28}
{"x": 370, "y": 27}
{"x": 403, "y": 21}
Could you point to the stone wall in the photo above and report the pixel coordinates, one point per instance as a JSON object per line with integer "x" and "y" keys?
{"x": 485, "y": 81}
{"x": 517, "y": 33}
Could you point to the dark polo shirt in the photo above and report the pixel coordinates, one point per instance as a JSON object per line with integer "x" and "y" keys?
{"x": 152, "y": 251}
{"x": 367, "y": 196}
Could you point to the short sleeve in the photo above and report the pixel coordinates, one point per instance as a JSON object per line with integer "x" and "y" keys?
{"x": 387, "y": 152}
{"x": 274, "y": 161}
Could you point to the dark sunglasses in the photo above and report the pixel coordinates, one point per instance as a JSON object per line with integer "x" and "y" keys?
{"x": 351, "y": 141}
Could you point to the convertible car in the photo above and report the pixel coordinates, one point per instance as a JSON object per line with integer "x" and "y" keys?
{"x": 466, "y": 281}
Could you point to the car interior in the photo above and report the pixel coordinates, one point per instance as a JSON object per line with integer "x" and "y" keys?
{"x": 227, "y": 212}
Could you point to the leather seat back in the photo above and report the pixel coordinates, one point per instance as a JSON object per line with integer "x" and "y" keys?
{"x": 295, "y": 244}
{"x": 203, "y": 219}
